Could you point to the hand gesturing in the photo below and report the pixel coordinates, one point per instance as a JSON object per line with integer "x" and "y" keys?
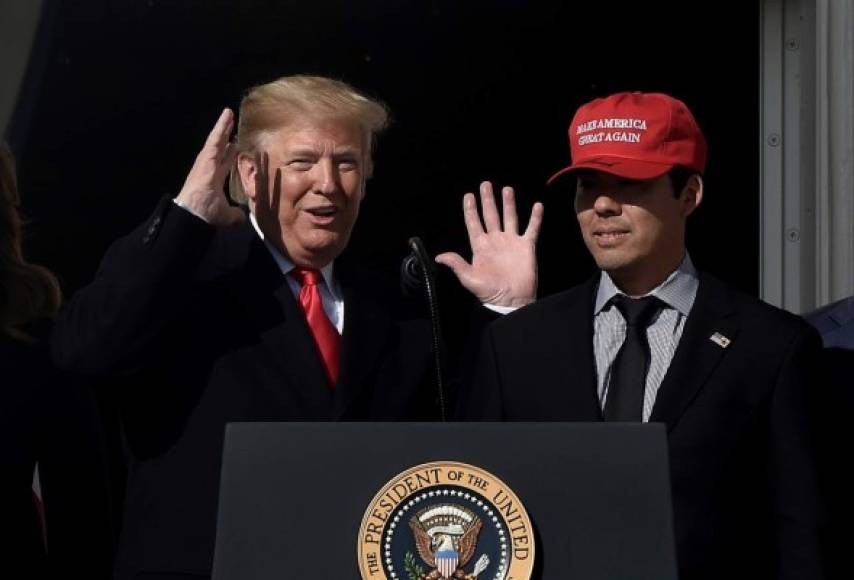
{"x": 503, "y": 269}
{"x": 203, "y": 192}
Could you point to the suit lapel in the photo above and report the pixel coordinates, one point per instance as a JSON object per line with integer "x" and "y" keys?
{"x": 573, "y": 355}
{"x": 277, "y": 318}
{"x": 366, "y": 325}
{"x": 698, "y": 353}
{"x": 303, "y": 369}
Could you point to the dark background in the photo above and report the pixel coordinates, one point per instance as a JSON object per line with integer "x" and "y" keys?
{"x": 120, "y": 95}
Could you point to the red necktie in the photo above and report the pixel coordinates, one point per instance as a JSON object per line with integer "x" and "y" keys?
{"x": 325, "y": 335}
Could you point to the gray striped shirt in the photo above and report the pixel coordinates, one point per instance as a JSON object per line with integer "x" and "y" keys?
{"x": 609, "y": 329}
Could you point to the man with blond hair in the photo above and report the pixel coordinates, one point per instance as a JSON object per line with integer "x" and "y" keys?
{"x": 209, "y": 315}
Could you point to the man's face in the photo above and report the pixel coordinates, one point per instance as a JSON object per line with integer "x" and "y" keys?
{"x": 310, "y": 213}
{"x": 635, "y": 230}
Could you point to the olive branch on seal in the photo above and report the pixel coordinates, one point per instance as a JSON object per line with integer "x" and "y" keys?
{"x": 412, "y": 568}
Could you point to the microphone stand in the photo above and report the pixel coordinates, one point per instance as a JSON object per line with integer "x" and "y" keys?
{"x": 418, "y": 268}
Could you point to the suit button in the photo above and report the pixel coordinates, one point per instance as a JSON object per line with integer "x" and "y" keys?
{"x": 152, "y": 229}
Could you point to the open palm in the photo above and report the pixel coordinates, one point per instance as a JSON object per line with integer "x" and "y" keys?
{"x": 503, "y": 269}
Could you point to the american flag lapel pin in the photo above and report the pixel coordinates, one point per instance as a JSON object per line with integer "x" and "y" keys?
{"x": 720, "y": 340}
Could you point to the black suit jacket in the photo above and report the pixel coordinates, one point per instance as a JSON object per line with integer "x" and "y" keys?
{"x": 201, "y": 328}
{"x": 741, "y": 459}
{"x": 835, "y": 323}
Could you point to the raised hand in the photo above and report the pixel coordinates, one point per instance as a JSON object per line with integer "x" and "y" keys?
{"x": 503, "y": 269}
{"x": 203, "y": 192}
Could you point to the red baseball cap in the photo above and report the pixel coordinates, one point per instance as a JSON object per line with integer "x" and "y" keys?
{"x": 636, "y": 136}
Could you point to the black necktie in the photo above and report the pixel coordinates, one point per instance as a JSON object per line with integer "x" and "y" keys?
{"x": 628, "y": 373}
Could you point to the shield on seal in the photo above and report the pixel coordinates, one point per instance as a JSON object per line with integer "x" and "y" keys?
{"x": 446, "y": 562}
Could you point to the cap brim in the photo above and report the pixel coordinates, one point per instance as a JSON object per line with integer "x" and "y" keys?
{"x": 619, "y": 166}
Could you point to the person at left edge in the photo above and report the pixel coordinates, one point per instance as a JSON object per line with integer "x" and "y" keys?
{"x": 198, "y": 312}
{"x": 55, "y": 503}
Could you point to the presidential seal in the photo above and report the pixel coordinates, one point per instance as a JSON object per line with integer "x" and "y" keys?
{"x": 446, "y": 521}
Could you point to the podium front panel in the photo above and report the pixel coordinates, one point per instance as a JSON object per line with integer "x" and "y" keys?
{"x": 293, "y": 495}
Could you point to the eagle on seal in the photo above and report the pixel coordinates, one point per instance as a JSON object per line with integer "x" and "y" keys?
{"x": 447, "y": 548}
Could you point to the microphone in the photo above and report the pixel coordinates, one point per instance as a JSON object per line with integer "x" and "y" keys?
{"x": 418, "y": 271}
{"x": 411, "y": 274}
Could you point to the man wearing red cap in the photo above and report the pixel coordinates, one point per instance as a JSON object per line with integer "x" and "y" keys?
{"x": 649, "y": 338}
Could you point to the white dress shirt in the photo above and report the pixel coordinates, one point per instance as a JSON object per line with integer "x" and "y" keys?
{"x": 677, "y": 293}
{"x": 330, "y": 291}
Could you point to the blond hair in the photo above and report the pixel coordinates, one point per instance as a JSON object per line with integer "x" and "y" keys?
{"x": 27, "y": 292}
{"x": 302, "y": 98}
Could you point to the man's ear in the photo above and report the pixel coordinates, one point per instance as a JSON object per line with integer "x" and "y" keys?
{"x": 692, "y": 194}
{"x": 247, "y": 170}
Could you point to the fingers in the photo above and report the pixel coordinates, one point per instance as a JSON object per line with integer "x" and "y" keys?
{"x": 230, "y": 154}
{"x": 532, "y": 232}
{"x": 492, "y": 219}
{"x": 471, "y": 217}
{"x": 221, "y": 132}
{"x": 225, "y": 164}
{"x": 490, "y": 212}
{"x": 508, "y": 204}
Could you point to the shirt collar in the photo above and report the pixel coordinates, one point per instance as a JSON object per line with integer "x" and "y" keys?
{"x": 677, "y": 291}
{"x": 285, "y": 265}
